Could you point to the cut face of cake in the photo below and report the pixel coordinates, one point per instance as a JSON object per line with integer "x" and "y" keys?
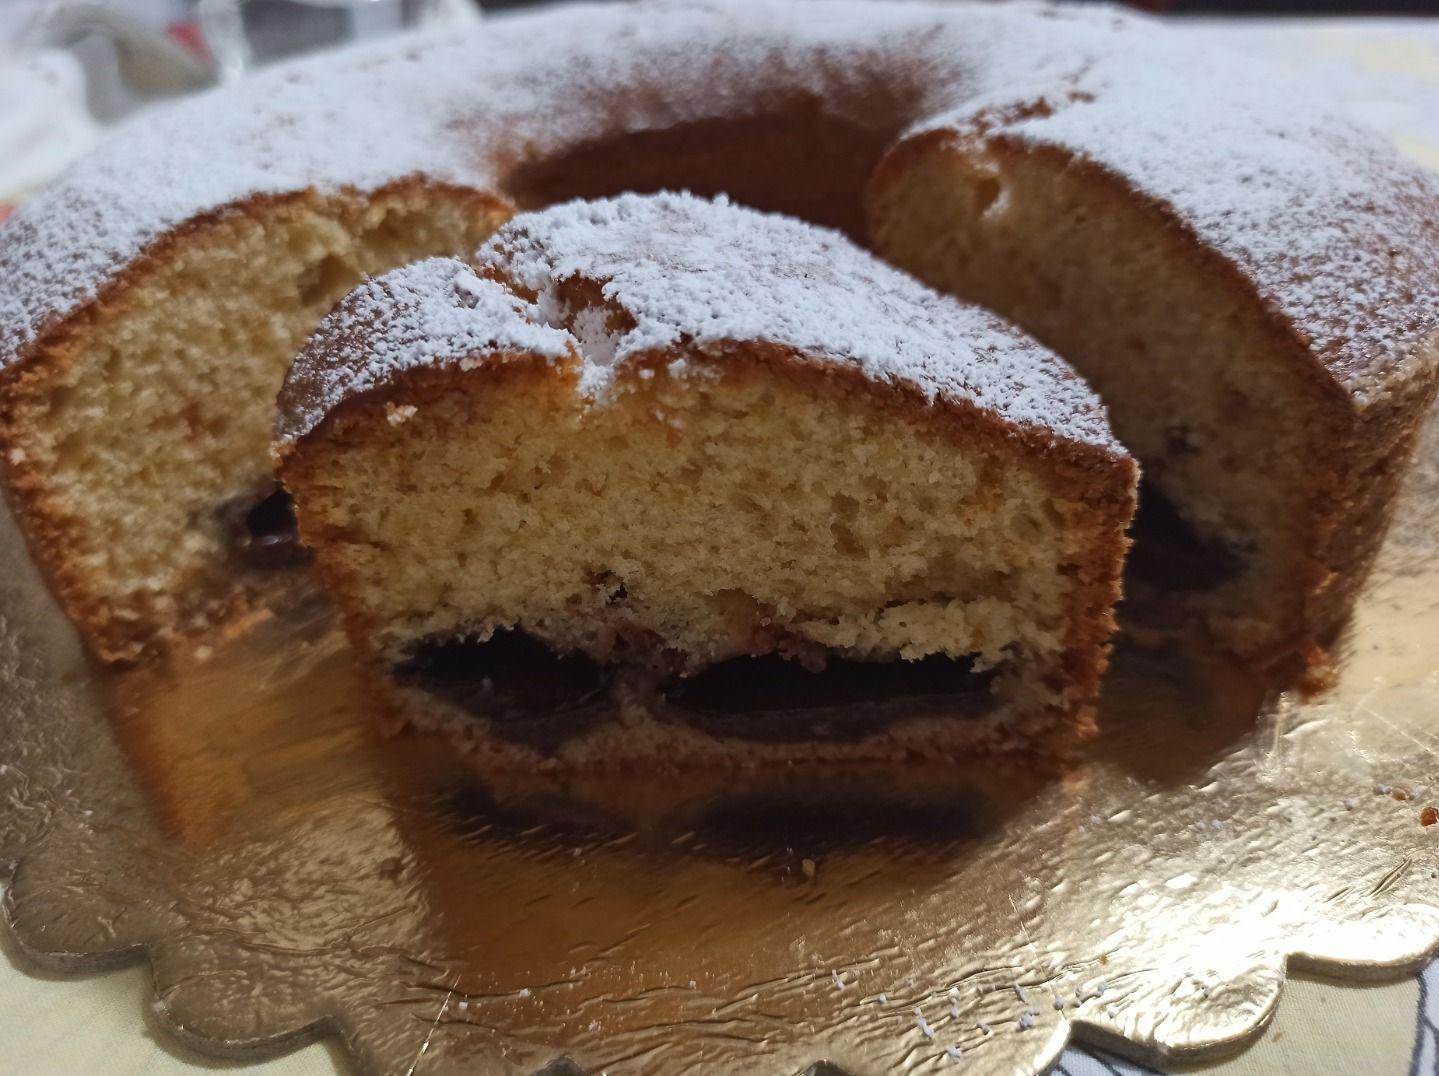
{"x": 138, "y": 444}
{"x": 663, "y": 480}
{"x": 1273, "y": 420}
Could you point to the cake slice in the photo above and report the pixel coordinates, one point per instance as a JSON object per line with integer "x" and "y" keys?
{"x": 1271, "y": 388}
{"x": 662, "y": 481}
{"x": 136, "y": 441}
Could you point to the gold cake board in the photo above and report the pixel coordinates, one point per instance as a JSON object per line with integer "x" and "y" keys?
{"x": 93, "y": 1025}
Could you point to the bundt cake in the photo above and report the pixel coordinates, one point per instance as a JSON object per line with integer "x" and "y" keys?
{"x": 1248, "y": 281}
{"x": 673, "y": 480}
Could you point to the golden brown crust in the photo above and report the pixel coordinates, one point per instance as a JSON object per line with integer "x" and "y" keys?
{"x": 1353, "y": 513}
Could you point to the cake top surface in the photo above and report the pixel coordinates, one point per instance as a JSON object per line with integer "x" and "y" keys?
{"x": 1340, "y": 236}
{"x": 1336, "y": 232}
{"x": 687, "y": 273}
{"x": 432, "y": 312}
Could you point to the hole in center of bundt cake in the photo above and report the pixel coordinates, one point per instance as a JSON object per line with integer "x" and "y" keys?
{"x": 263, "y": 531}
{"x": 774, "y": 698}
{"x": 801, "y": 159}
{"x": 1170, "y": 554}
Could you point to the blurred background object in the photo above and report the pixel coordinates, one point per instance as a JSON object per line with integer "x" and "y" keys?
{"x": 241, "y": 34}
{"x": 164, "y": 46}
{"x": 70, "y": 67}
{"x": 1291, "y": 7}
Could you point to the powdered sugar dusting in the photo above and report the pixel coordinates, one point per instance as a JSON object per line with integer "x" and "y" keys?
{"x": 446, "y": 109}
{"x": 693, "y": 273}
{"x": 431, "y": 313}
{"x": 1335, "y": 231}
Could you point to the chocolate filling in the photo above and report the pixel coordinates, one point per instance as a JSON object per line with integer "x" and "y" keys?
{"x": 1170, "y": 554}
{"x": 531, "y": 694}
{"x": 775, "y": 700}
{"x": 264, "y": 532}
{"x": 538, "y": 697}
